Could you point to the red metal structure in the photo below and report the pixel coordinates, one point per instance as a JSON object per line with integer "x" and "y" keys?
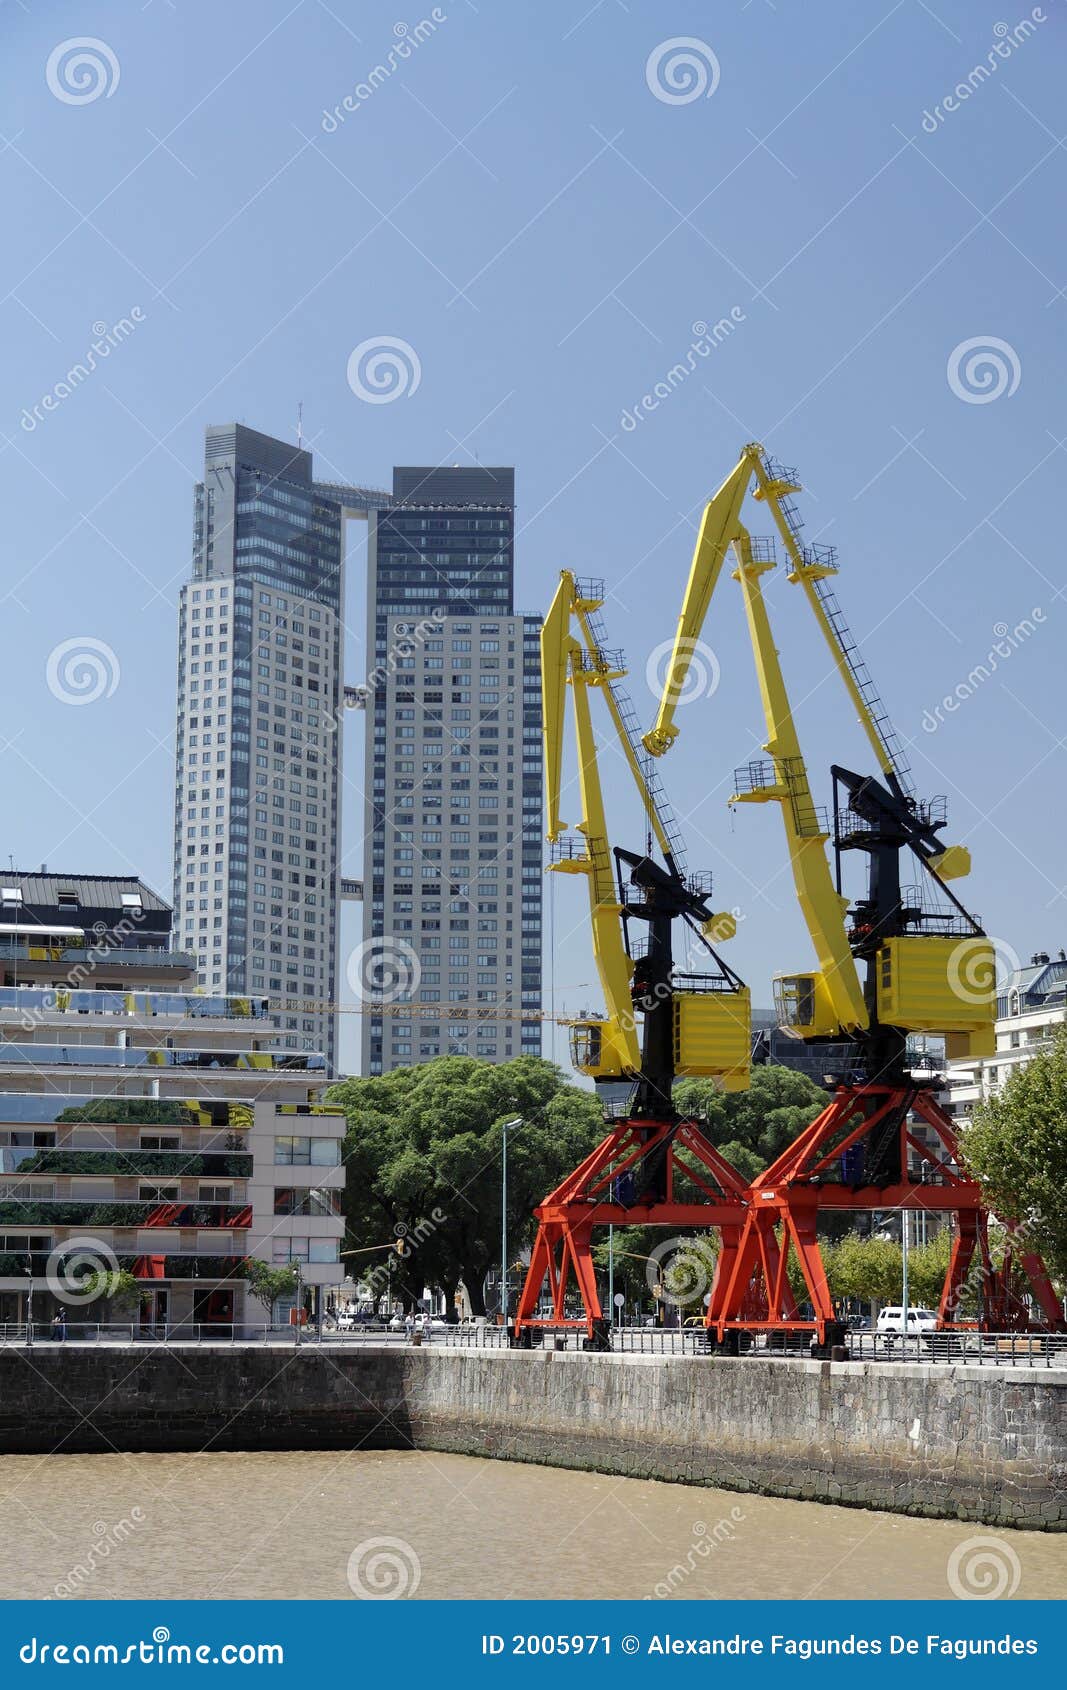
{"x": 863, "y": 1152}
{"x": 589, "y": 1197}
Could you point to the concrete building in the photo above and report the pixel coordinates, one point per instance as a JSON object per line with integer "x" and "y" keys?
{"x": 1031, "y": 1004}
{"x": 453, "y": 863}
{"x": 256, "y": 822}
{"x": 144, "y": 1125}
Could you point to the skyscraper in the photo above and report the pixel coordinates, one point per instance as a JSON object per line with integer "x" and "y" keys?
{"x": 453, "y": 793}
{"x": 258, "y": 747}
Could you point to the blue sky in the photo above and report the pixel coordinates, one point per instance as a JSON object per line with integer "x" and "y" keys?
{"x": 518, "y": 202}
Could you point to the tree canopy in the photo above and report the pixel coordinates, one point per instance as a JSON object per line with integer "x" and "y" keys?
{"x": 1015, "y": 1145}
{"x": 423, "y": 1152}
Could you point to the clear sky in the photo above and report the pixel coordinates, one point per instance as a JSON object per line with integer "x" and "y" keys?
{"x": 541, "y": 199}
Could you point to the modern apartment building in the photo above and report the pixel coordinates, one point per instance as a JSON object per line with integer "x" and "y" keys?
{"x": 1031, "y": 1004}
{"x": 144, "y": 1125}
{"x": 257, "y": 797}
{"x": 453, "y": 858}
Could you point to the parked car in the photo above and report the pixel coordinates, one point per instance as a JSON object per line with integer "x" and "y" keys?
{"x": 891, "y": 1322}
{"x": 430, "y": 1323}
{"x": 346, "y": 1321}
{"x": 397, "y": 1324}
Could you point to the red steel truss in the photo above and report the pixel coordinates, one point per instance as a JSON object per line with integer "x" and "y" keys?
{"x": 863, "y": 1129}
{"x": 585, "y": 1200}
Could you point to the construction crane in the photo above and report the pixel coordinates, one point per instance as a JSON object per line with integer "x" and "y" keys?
{"x": 928, "y": 967}
{"x": 652, "y": 1167}
{"x": 709, "y": 1031}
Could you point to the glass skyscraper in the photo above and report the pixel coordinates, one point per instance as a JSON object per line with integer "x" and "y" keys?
{"x": 258, "y": 741}
{"x": 452, "y": 783}
{"x": 453, "y": 858}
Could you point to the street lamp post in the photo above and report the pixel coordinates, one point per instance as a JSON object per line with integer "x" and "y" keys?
{"x": 904, "y": 1287}
{"x": 507, "y": 1127}
{"x": 611, "y": 1272}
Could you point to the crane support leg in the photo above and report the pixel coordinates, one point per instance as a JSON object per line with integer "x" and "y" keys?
{"x": 607, "y": 1189}
{"x": 842, "y": 1162}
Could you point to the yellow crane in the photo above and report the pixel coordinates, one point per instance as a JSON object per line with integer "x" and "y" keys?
{"x": 711, "y": 1028}
{"x": 913, "y": 953}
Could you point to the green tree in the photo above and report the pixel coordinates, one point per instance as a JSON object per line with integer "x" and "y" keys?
{"x": 423, "y": 1151}
{"x": 927, "y": 1267}
{"x": 867, "y": 1269}
{"x": 266, "y": 1283}
{"x": 1015, "y": 1145}
{"x": 119, "y": 1288}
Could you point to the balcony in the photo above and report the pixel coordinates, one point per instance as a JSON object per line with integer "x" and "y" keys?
{"x": 37, "y": 1002}
{"x": 39, "y": 1055}
{"x": 122, "y": 1212}
{"x": 92, "y": 957}
{"x": 177, "y": 1265}
{"x": 45, "y": 1109}
{"x": 135, "y": 1162}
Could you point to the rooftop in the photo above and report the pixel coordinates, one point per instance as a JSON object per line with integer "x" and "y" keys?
{"x": 40, "y": 887}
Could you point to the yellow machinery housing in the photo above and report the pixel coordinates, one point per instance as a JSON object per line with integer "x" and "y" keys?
{"x": 713, "y": 1035}
{"x": 940, "y": 985}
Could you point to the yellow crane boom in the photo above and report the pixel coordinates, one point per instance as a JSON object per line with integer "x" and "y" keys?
{"x": 610, "y": 1047}
{"x": 830, "y": 1002}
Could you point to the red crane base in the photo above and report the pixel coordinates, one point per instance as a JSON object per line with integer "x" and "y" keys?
{"x": 865, "y": 1130}
{"x": 562, "y": 1252}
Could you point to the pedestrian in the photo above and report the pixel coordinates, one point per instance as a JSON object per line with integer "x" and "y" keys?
{"x": 59, "y": 1325}
{"x": 409, "y": 1325}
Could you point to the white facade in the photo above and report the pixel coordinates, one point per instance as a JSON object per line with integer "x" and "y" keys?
{"x": 295, "y": 1192}
{"x": 1031, "y": 1005}
{"x": 159, "y": 1128}
{"x": 460, "y": 910}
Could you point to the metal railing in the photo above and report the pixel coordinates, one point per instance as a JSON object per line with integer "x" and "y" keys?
{"x": 1016, "y": 1350}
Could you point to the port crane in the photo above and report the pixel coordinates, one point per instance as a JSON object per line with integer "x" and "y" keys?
{"x": 902, "y": 959}
{"x": 652, "y": 1168}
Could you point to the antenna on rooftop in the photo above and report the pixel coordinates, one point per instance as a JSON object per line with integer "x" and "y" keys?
{"x": 300, "y": 424}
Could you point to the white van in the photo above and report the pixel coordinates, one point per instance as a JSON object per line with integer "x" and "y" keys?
{"x": 890, "y": 1322}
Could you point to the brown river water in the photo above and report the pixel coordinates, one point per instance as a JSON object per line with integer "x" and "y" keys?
{"x": 311, "y": 1524}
